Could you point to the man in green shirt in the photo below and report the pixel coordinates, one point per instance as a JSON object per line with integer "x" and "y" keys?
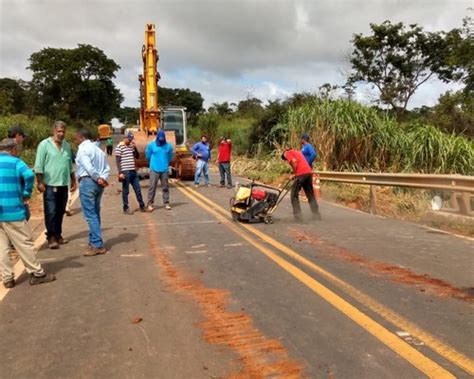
{"x": 110, "y": 146}
{"x": 54, "y": 175}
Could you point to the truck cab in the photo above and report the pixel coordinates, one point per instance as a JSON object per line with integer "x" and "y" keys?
{"x": 173, "y": 119}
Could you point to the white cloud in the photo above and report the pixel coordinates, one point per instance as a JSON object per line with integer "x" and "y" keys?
{"x": 220, "y": 48}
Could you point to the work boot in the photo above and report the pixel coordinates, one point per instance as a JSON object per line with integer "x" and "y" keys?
{"x": 127, "y": 212}
{"x": 45, "y": 278}
{"x": 53, "y": 243}
{"x": 62, "y": 241}
{"x": 91, "y": 251}
{"x": 9, "y": 283}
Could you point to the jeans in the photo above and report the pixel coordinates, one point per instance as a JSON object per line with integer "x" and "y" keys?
{"x": 202, "y": 167}
{"x": 54, "y": 201}
{"x": 90, "y": 194}
{"x": 109, "y": 150}
{"x": 131, "y": 177}
{"x": 154, "y": 178}
{"x": 224, "y": 170}
{"x": 305, "y": 182}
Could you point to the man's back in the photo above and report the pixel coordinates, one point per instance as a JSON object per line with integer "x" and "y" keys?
{"x": 16, "y": 183}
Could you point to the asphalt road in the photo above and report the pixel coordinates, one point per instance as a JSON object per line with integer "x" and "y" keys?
{"x": 188, "y": 293}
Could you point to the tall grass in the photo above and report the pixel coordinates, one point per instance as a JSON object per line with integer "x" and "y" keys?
{"x": 351, "y": 136}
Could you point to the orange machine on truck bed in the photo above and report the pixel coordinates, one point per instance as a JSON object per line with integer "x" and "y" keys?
{"x": 171, "y": 119}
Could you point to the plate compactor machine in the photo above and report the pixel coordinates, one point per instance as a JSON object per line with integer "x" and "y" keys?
{"x": 257, "y": 202}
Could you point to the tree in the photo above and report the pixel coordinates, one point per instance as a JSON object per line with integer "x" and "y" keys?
{"x": 75, "y": 82}
{"x": 251, "y": 107}
{"x": 128, "y": 115}
{"x": 460, "y": 54}
{"x": 12, "y": 96}
{"x": 454, "y": 113}
{"x": 398, "y": 60}
{"x": 192, "y": 100}
{"x": 222, "y": 109}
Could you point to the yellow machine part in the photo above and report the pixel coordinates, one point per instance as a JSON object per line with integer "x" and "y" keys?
{"x": 242, "y": 194}
{"x": 104, "y": 131}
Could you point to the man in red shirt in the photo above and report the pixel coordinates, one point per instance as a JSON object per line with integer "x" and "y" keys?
{"x": 303, "y": 180}
{"x": 223, "y": 158}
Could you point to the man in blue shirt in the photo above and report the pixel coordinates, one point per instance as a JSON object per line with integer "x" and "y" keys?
{"x": 16, "y": 185}
{"x": 92, "y": 171}
{"x": 202, "y": 152}
{"x": 159, "y": 154}
{"x": 308, "y": 150}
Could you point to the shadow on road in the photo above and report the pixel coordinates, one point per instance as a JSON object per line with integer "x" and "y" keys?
{"x": 124, "y": 237}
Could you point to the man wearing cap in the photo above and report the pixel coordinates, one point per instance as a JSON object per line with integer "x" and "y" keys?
{"x": 303, "y": 180}
{"x": 159, "y": 154}
{"x": 16, "y": 185}
{"x": 202, "y": 152}
{"x": 223, "y": 159}
{"x": 308, "y": 150}
{"x": 54, "y": 175}
{"x": 125, "y": 154}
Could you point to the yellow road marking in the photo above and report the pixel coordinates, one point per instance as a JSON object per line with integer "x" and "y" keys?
{"x": 443, "y": 349}
{"x": 410, "y": 354}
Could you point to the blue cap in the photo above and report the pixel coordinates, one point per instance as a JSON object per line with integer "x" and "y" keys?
{"x": 305, "y": 136}
{"x": 161, "y": 136}
{"x": 130, "y": 136}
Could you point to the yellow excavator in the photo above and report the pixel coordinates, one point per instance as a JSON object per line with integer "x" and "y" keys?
{"x": 171, "y": 119}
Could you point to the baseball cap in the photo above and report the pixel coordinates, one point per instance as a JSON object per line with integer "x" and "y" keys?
{"x": 130, "y": 136}
{"x": 14, "y": 130}
{"x": 305, "y": 136}
{"x": 7, "y": 144}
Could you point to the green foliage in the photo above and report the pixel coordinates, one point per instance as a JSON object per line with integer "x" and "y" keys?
{"x": 397, "y": 60}
{"x": 454, "y": 113}
{"x": 350, "y": 136}
{"x": 128, "y": 115}
{"x": 207, "y": 125}
{"x": 251, "y": 107}
{"x": 12, "y": 96}
{"x": 76, "y": 83}
{"x": 183, "y": 97}
{"x": 222, "y": 109}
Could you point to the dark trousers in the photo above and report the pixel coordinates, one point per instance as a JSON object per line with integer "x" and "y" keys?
{"x": 304, "y": 182}
{"x": 54, "y": 202}
{"x": 131, "y": 177}
{"x": 224, "y": 170}
{"x": 109, "y": 150}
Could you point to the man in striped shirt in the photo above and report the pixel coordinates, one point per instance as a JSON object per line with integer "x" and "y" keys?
{"x": 125, "y": 154}
{"x": 16, "y": 185}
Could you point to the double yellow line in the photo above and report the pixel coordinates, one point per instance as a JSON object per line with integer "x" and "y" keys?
{"x": 409, "y": 353}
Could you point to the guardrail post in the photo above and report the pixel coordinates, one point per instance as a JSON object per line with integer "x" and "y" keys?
{"x": 373, "y": 201}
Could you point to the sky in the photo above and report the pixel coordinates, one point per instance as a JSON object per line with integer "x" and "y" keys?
{"x": 227, "y": 50}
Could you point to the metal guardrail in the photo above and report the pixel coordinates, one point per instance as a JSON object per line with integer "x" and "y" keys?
{"x": 461, "y": 186}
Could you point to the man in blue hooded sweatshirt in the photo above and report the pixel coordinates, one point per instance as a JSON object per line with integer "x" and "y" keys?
{"x": 202, "y": 152}
{"x": 159, "y": 154}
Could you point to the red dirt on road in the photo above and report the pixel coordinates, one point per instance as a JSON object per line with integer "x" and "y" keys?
{"x": 260, "y": 357}
{"x": 387, "y": 271}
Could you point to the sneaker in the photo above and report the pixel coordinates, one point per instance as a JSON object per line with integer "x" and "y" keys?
{"x": 150, "y": 208}
{"x": 127, "y": 212}
{"x": 142, "y": 209}
{"x": 62, "y": 241}
{"x": 9, "y": 283}
{"x": 46, "y": 278}
{"x": 167, "y": 207}
{"x": 53, "y": 243}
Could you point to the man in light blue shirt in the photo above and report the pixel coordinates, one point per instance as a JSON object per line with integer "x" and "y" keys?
{"x": 92, "y": 172}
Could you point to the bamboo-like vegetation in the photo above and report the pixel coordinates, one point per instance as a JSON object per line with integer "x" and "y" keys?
{"x": 351, "y": 136}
